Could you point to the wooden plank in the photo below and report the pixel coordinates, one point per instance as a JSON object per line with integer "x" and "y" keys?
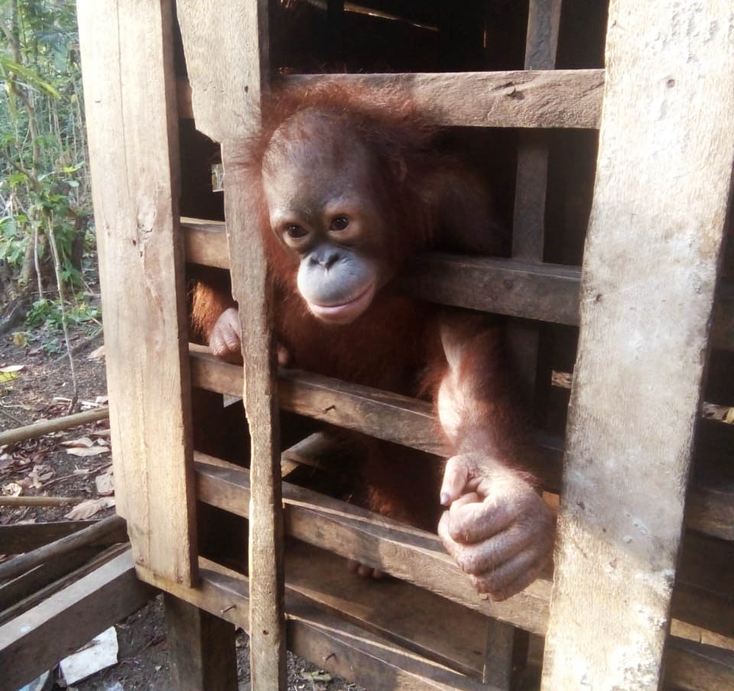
{"x": 415, "y": 619}
{"x": 42, "y": 582}
{"x": 24, "y": 537}
{"x": 114, "y": 525}
{"x": 333, "y": 644}
{"x": 129, "y": 88}
{"x": 695, "y": 667}
{"x": 703, "y": 596}
{"x": 710, "y": 507}
{"x": 405, "y": 552}
{"x": 519, "y": 98}
{"x": 647, "y": 292}
{"x": 36, "y": 640}
{"x": 544, "y": 292}
{"x": 227, "y": 63}
{"x": 201, "y": 648}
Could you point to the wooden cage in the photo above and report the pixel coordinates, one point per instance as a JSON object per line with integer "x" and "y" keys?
{"x": 620, "y": 118}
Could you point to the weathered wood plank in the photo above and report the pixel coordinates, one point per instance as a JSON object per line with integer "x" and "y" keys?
{"x": 227, "y": 63}
{"x": 710, "y": 504}
{"x": 24, "y": 537}
{"x": 129, "y": 88}
{"x": 545, "y": 292}
{"x": 335, "y": 645}
{"x": 647, "y": 292}
{"x": 413, "y": 618}
{"x": 201, "y": 648}
{"x": 114, "y": 525}
{"x": 36, "y": 640}
{"x": 703, "y": 599}
{"x": 315, "y": 633}
{"x": 522, "y": 98}
{"x": 42, "y": 582}
{"x": 405, "y": 552}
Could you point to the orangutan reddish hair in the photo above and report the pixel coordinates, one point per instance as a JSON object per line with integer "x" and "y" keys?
{"x": 350, "y": 185}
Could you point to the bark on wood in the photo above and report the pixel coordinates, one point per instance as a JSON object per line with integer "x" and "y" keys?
{"x": 129, "y": 88}
{"x": 660, "y": 201}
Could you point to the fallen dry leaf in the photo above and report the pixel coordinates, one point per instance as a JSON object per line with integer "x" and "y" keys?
{"x": 105, "y": 484}
{"x": 82, "y": 451}
{"x": 88, "y": 508}
{"x": 96, "y": 354}
{"x": 19, "y": 339}
{"x": 12, "y": 489}
{"x": 82, "y": 441}
{"x": 10, "y": 372}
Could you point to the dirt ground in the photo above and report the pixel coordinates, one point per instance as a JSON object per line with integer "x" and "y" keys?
{"x": 77, "y": 463}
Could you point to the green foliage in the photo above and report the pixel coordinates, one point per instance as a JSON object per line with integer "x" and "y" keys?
{"x": 44, "y": 181}
{"x": 45, "y": 321}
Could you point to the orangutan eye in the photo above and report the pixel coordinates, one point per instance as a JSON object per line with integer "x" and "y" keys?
{"x": 339, "y": 223}
{"x": 292, "y": 230}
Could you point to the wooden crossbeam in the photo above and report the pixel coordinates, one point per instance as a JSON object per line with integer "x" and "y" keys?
{"x": 703, "y": 596}
{"x": 544, "y": 292}
{"x": 361, "y": 652}
{"x": 520, "y": 98}
{"x": 413, "y": 423}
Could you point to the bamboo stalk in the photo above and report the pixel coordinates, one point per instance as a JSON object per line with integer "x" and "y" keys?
{"x": 38, "y": 429}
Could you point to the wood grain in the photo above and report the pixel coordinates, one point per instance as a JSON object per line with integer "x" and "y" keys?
{"x": 545, "y": 292}
{"x": 201, "y": 648}
{"x": 650, "y": 266}
{"x": 521, "y": 98}
{"x": 227, "y": 63}
{"x": 36, "y": 640}
{"x": 129, "y": 88}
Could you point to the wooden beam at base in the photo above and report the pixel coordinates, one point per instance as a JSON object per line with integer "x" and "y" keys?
{"x": 129, "y": 90}
{"x": 36, "y": 640}
{"x": 544, "y": 292}
{"x": 356, "y": 644}
{"x": 663, "y": 180}
{"x": 201, "y": 648}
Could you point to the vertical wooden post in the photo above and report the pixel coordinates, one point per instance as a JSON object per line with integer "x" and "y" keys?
{"x": 663, "y": 180}
{"x": 227, "y": 57}
{"x": 528, "y": 233}
{"x": 129, "y": 89}
{"x": 527, "y": 244}
{"x": 201, "y": 648}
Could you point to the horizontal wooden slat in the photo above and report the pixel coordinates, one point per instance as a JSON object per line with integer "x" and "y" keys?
{"x": 545, "y": 292}
{"x": 408, "y": 553}
{"x": 37, "y": 639}
{"x": 412, "y": 423}
{"x": 364, "y": 656}
{"x": 703, "y": 596}
{"x": 333, "y": 644}
{"x": 519, "y": 98}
